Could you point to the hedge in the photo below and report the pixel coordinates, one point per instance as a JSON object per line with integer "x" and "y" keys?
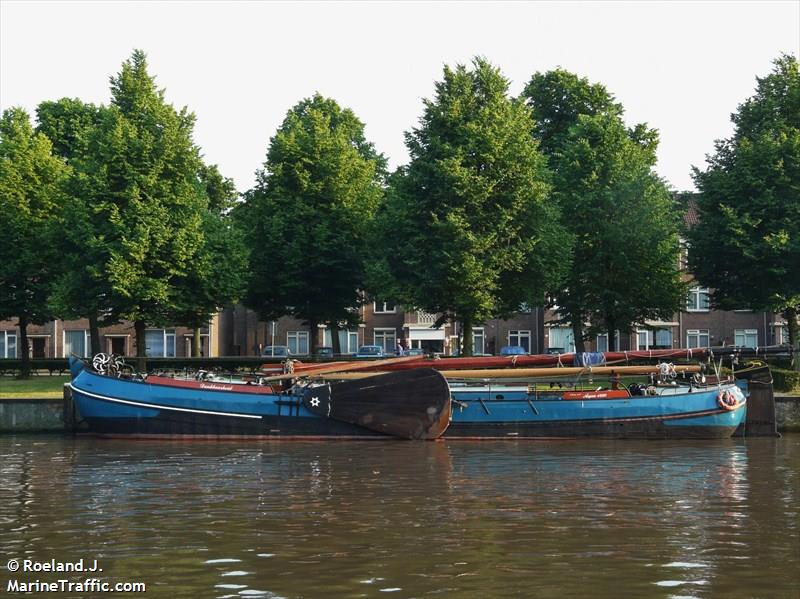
{"x": 785, "y": 380}
{"x": 12, "y": 366}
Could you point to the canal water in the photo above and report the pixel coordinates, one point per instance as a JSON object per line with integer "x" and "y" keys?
{"x": 407, "y": 519}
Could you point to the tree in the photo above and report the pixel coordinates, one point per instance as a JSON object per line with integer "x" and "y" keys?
{"x": 624, "y": 269}
{"x": 468, "y": 230}
{"x": 146, "y": 192}
{"x": 625, "y": 221}
{"x": 31, "y": 180}
{"x": 81, "y": 289}
{"x": 746, "y": 247}
{"x": 307, "y": 217}
{"x": 216, "y": 275}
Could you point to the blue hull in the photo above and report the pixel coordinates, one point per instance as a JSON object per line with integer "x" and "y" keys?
{"x": 120, "y": 407}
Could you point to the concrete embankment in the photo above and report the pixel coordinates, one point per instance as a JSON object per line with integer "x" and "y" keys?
{"x": 32, "y": 415}
{"x": 787, "y": 413}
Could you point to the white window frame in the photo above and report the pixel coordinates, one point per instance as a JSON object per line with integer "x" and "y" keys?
{"x": 351, "y": 340}
{"x": 478, "y": 340}
{"x": 604, "y": 337}
{"x": 569, "y": 335}
{"x": 650, "y": 339}
{"x": 6, "y": 336}
{"x": 697, "y": 292}
{"x": 743, "y": 334}
{"x": 86, "y": 342}
{"x": 382, "y": 336}
{"x": 295, "y": 338}
{"x": 698, "y": 333}
{"x": 519, "y": 335}
{"x": 383, "y": 308}
{"x": 167, "y": 335}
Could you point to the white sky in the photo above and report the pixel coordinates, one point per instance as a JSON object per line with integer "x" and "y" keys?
{"x": 682, "y": 67}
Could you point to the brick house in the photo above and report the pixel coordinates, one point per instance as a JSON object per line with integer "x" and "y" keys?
{"x": 60, "y": 338}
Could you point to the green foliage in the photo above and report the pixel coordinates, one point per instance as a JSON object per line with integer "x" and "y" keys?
{"x": 31, "y": 187}
{"x": 557, "y": 98}
{"x": 80, "y": 289}
{"x": 785, "y": 380}
{"x": 747, "y": 244}
{"x": 308, "y": 216}
{"x": 468, "y": 230}
{"x": 625, "y": 224}
{"x": 142, "y": 232}
{"x": 216, "y": 275}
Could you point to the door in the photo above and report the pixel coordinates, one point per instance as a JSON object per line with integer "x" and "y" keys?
{"x": 39, "y": 344}
{"x": 118, "y": 346}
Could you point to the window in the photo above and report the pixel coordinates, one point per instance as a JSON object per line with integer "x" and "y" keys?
{"x": 780, "y": 334}
{"x": 745, "y": 337}
{"x": 348, "y": 341}
{"x": 697, "y": 338}
{"x": 297, "y": 341}
{"x": 521, "y": 339}
{"x": 651, "y": 339}
{"x": 385, "y": 308}
{"x": 562, "y": 338}
{"x": 77, "y": 342}
{"x": 602, "y": 341}
{"x": 160, "y": 343}
{"x": 699, "y": 300}
{"x": 8, "y": 344}
{"x": 664, "y": 338}
{"x": 387, "y": 339}
{"x": 644, "y": 339}
{"x": 478, "y": 341}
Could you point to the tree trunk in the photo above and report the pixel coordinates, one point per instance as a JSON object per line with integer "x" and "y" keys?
{"x": 790, "y": 314}
{"x": 94, "y": 334}
{"x": 141, "y": 347}
{"x": 577, "y": 333}
{"x": 313, "y": 336}
{"x": 197, "y": 344}
{"x": 24, "y": 353}
{"x": 466, "y": 336}
{"x": 611, "y": 326}
{"x": 333, "y": 326}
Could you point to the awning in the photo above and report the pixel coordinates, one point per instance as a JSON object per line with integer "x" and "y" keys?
{"x": 426, "y": 334}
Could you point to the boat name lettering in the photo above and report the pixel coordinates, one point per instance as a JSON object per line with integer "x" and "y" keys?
{"x": 217, "y": 387}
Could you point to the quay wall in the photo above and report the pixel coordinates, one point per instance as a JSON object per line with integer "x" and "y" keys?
{"x": 32, "y": 416}
{"x": 787, "y": 413}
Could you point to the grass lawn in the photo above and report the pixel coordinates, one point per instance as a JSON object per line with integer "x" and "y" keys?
{"x": 39, "y": 387}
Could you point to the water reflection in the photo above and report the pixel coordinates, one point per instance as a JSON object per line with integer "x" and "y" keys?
{"x": 366, "y": 519}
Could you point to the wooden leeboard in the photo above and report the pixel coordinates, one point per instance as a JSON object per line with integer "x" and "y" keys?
{"x": 410, "y": 404}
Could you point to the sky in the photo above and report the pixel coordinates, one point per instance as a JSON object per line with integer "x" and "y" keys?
{"x": 681, "y": 67}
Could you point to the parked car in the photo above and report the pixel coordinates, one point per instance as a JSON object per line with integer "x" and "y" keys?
{"x": 370, "y": 351}
{"x": 414, "y": 351}
{"x": 554, "y": 350}
{"x": 276, "y": 351}
{"x": 325, "y": 352}
{"x": 513, "y": 350}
